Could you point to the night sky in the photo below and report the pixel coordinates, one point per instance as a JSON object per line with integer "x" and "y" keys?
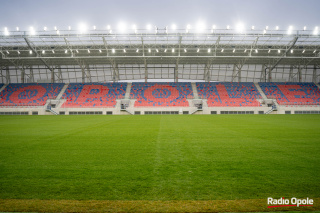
{"x": 64, "y": 13}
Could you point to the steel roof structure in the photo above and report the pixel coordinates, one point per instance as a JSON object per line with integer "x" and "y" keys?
{"x": 210, "y": 55}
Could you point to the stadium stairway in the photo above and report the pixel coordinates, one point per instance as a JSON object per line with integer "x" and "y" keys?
{"x": 264, "y": 97}
{"x": 62, "y": 91}
{"x": 195, "y": 91}
{"x": 2, "y": 88}
{"x": 127, "y": 95}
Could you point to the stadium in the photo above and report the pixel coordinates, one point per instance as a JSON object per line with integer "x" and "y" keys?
{"x": 159, "y": 119}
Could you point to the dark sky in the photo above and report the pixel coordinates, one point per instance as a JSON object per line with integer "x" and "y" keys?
{"x": 64, "y": 13}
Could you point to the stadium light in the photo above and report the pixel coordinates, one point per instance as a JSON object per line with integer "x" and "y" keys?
{"x": 173, "y": 27}
{"x": 55, "y": 28}
{"x": 305, "y": 28}
{"x": 100, "y": 51}
{"x": 267, "y": 27}
{"x": 53, "y": 51}
{"x": 303, "y": 51}
{"x": 264, "y": 31}
{"x": 314, "y": 51}
{"x": 122, "y": 27}
{"x": 228, "y": 27}
{"x": 32, "y": 32}
{"x": 198, "y": 50}
{"x": 165, "y": 50}
{"x": 188, "y": 28}
{"x": 43, "y": 51}
{"x": 277, "y": 27}
{"x": 77, "y": 50}
{"x": 88, "y": 51}
{"x": 200, "y": 27}
{"x": 113, "y": 50}
{"x": 252, "y": 28}
{"x": 240, "y": 27}
{"x": 149, "y": 50}
{"x": 108, "y": 27}
{"x": 209, "y": 50}
{"x": 137, "y": 50}
{"x": 279, "y": 51}
{"x": 245, "y": 50}
{"x": 94, "y": 27}
{"x": 30, "y": 51}
{"x": 316, "y": 31}
{"x": 222, "y": 50}
{"x": 69, "y": 27}
{"x": 149, "y": 27}
{"x": 256, "y": 50}
{"x": 233, "y": 50}
{"x": 173, "y": 50}
{"x": 17, "y": 28}
{"x": 7, "y": 52}
{"x": 185, "y": 50}
{"x": 290, "y": 30}
{"x": 269, "y": 51}
{"x": 18, "y": 52}
{"x": 82, "y": 27}
{"x": 58, "y": 32}
{"x": 66, "y": 51}
{"x": 157, "y": 50}
{"x": 124, "y": 50}
{"x": 6, "y": 32}
{"x": 291, "y": 51}
{"x": 45, "y": 29}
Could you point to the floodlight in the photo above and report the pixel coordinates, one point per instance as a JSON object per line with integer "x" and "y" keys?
{"x": 267, "y": 27}
{"x": 240, "y": 27}
{"x": 7, "y": 52}
{"x": 30, "y": 52}
{"x": 269, "y": 51}
{"x": 82, "y": 27}
{"x": 124, "y": 50}
{"x": 256, "y": 50}
{"x": 134, "y": 27}
{"x": 108, "y": 27}
{"x": 100, "y": 51}
{"x": 222, "y": 50}
{"x": 88, "y": 51}
{"x": 149, "y": 27}
{"x": 305, "y": 28}
{"x": 69, "y": 28}
{"x": 291, "y": 51}
{"x": 209, "y": 50}
{"x": 277, "y": 27}
{"x": 137, "y": 50}
{"x": 264, "y": 31}
{"x": 316, "y": 31}
{"x": 66, "y": 51}
{"x": 18, "y": 52}
{"x": 303, "y": 51}
{"x": 314, "y": 51}
{"x": 32, "y": 32}
{"x": 43, "y": 51}
{"x": 122, "y": 27}
{"x": 77, "y": 51}
{"x": 200, "y": 27}
{"x": 198, "y": 50}
{"x": 113, "y": 50}
{"x": 6, "y": 32}
{"x": 55, "y": 28}
{"x": 279, "y": 51}
{"x": 53, "y": 51}
{"x": 149, "y": 50}
{"x": 188, "y": 28}
{"x": 165, "y": 50}
{"x": 213, "y": 27}
{"x": 94, "y": 27}
{"x": 58, "y": 32}
{"x": 17, "y": 28}
{"x": 245, "y": 50}
{"x": 157, "y": 50}
{"x": 185, "y": 50}
{"x": 173, "y": 26}
{"x": 290, "y": 30}
{"x": 252, "y": 28}
{"x": 228, "y": 27}
{"x": 234, "y": 50}
{"x": 173, "y": 50}
{"x": 45, "y": 28}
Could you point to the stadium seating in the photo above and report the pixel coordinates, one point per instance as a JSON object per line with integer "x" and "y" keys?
{"x": 90, "y": 95}
{"x": 229, "y": 94}
{"x": 31, "y": 94}
{"x": 291, "y": 93}
{"x": 161, "y": 94}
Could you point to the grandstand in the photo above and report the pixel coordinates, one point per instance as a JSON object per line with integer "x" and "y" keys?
{"x": 141, "y": 72}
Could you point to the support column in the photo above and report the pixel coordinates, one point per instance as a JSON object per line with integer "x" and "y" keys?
{"x": 8, "y": 80}
{"x": 314, "y": 74}
{"x": 299, "y": 74}
{"x": 60, "y": 75}
{"x": 22, "y": 75}
{"x": 145, "y": 71}
{"x": 291, "y": 74}
{"x": 31, "y": 75}
{"x": 52, "y": 76}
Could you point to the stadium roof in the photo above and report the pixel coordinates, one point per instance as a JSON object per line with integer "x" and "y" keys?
{"x": 56, "y": 48}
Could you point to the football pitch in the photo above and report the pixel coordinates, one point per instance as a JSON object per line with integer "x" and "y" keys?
{"x": 159, "y": 158}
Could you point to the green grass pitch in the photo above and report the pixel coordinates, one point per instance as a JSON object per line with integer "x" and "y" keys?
{"x": 160, "y": 157}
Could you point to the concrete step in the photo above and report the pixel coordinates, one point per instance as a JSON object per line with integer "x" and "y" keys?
{"x": 260, "y": 90}
{"x": 195, "y": 91}
{"x": 62, "y": 91}
{"x": 127, "y": 95}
